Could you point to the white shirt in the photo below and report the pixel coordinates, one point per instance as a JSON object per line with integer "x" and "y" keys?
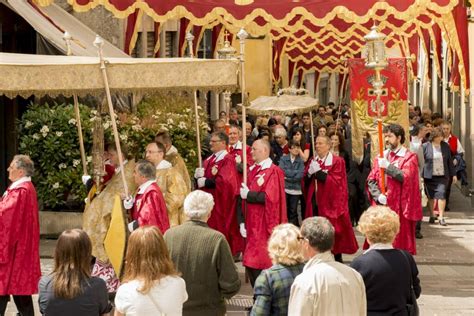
{"x": 327, "y": 287}
{"x": 142, "y": 188}
{"x": 164, "y": 165}
{"x": 169, "y": 294}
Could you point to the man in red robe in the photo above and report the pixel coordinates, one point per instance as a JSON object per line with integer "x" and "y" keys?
{"x": 328, "y": 181}
{"x": 402, "y": 186}
{"x": 19, "y": 241}
{"x": 264, "y": 209}
{"x": 219, "y": 177}
{"x": 235, "y": 149}
{"x": 148, "y": 207}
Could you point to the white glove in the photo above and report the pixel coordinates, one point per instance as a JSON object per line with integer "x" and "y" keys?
{"x": 243, "y": 231}
{"x": 85, "y": 179}
{"x": 201, "y": 182}
{"x": 198, "y": 173}
{"x": 382, "y": 199}
{"x": 244, "y": 191}
{"x": 128, "y": 203}
{"x": 383, "y": 162}
{"x": 131, "y": 226}
{"x": 313, "y": 167}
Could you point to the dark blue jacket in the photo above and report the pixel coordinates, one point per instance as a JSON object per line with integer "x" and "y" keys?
{"x": 293, "y": 171}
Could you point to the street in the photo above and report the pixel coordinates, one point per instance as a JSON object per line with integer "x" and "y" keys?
{"x": 445, "y": 261}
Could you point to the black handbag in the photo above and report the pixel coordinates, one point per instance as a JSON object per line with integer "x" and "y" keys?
{"x": 412, "y": 305}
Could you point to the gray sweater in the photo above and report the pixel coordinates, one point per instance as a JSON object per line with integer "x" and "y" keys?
{"x": 203, "y": 257}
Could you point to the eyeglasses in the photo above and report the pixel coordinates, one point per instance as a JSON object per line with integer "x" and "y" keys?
{"x": 301, "y": 238}
{"x": 215, "y": 140}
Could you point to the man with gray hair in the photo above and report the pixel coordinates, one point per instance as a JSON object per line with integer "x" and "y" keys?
{"x": 279, "y": 144}
{"x": 148, "y": 207}
{"x": 203, "y": 257}
{"x": 19, "y": 231}
{"x": 325, "y": 287}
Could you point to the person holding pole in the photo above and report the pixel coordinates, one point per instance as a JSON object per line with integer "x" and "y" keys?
{"x": 97, "y": 213}
{"x": 402, "y": 186}
{"x": 219, "y": 177}
{"x": 264, "y": 209}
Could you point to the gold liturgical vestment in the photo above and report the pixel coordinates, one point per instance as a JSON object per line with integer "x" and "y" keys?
{"x": 97, "y": 214}
{"x": 174, "y": 190}
{"x": 177, "y": 161}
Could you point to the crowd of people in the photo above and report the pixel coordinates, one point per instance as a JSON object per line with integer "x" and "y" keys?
{"x": 289, "y": 218}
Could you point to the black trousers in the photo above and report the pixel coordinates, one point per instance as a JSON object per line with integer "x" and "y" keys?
{"x": 24, "y": 304}
{"x": 292, "y": 208}
{"x": 448, "y": 193}
{"x": 252, "y": 274}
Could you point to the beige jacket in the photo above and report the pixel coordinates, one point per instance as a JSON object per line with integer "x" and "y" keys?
{"x": 327, "y": 287}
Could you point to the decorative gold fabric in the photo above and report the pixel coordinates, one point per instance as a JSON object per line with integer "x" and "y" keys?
{"x": 39, "y": 75}
{"x": 177, "y": 161}
{"x": 116, "y": 239}
{"x": 97, "y": 214}
{"x": 174, "y": 190}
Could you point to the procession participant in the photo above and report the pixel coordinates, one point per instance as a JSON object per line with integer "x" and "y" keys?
{"x": 19, "y": 228}
{"x": 235, "y": 148}
{"x": 173, "y": 156}
{"x": 169, "y": 180}
{"x": 402, "y": 186}
{"x": 148, "y": 206}
{"x": 109, "y": 172}
{"x": 219, "y": 177}
{"x": 331, "y": 196}
{"x": 265, "y": 208}
{"x": 97, "y": 214}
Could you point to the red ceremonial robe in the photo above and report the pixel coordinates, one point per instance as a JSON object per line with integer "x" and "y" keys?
{"x": 260, "y": 219}
{"x": 333, "y": 202}
{"x": 403, "y": 198}
{"x": 150, "y": 208}
{"x": 222, "y": 169}
{"x": 19, "y": 242}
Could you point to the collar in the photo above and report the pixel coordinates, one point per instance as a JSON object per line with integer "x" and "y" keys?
{"x": 399, "y": 152}
{"x": 118, "y": 169}
{"x": 265, "y": 164}
{"x": 172, "y": 150}
{"x": 379, "y": 246}
{"x": 415, "y": 139}
{"x": 220, "y": 155}
{"x": 319, "y": 258}
{"x": 327, "y": 160}
{"x": 163, "y": 165}
{"x": 16, "y": 184}
{"x": 237, "y": 145}
{"x": 144, "y": 186}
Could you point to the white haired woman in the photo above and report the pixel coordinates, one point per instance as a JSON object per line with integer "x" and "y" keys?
{"x": 389, "y": 274}
{"x": 203, "y": 257}
{"x": 273, "y": 285}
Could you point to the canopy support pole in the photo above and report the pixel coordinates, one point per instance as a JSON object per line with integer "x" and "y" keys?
{"x": 99, "y": 43}
{"x": 189, "y": 39}
{"x": 79, "y": 133}
{"x": 242, "y": 35}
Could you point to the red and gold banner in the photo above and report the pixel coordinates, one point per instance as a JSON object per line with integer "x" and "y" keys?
{"x": 393, "y": 103}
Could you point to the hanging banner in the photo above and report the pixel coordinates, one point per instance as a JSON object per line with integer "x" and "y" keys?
{"x": 393, "y": 103}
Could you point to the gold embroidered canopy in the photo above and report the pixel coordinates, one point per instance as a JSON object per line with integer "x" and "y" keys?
{"x": 39, "y": 75}
{"x": 316, "y": 35}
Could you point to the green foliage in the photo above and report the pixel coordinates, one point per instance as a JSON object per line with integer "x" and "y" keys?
{"x": 48, "y": 134}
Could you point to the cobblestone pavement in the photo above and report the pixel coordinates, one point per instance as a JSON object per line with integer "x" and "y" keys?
{"x": 445, "y": 260}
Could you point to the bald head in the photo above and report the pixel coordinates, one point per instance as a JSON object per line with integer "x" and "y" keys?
{"x": 260, "y": 150}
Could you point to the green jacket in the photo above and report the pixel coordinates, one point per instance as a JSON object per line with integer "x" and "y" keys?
{"x": 203, "y": 257}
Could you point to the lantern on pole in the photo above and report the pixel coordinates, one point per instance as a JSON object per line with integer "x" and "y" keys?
{"x": 227, "y": 52}
{"x": 376, "y": 60}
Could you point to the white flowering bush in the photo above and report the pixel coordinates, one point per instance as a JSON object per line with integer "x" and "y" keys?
{"x": 174, "y": 113}
{"x": 48, "y": 134}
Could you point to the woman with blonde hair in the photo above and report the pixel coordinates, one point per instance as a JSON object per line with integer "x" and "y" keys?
{"x": 390, "y": 275}
{"x": 151, "y": 284}
{"x": 70, "y": 289}
{"x": 273, "y": 285}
